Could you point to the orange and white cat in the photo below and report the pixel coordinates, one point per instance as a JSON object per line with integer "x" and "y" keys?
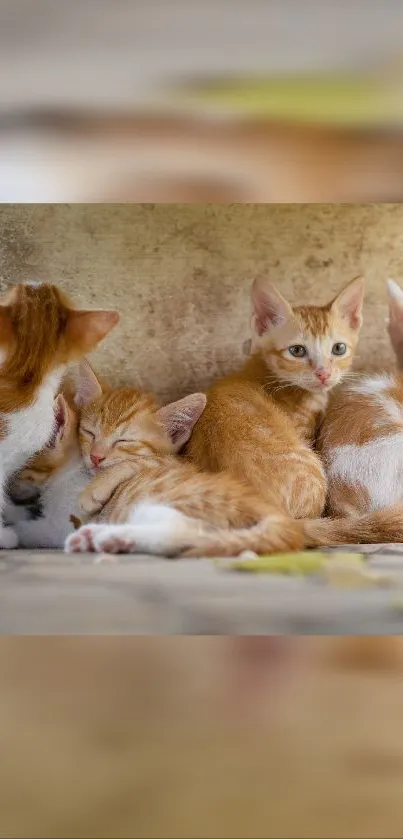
{"x": 260, "y": 423}
{"x": 54, "y": 478}
{"x": 144, "y": 498}
{"x": 361, "y": 439}
{"x": 40, "y": 333}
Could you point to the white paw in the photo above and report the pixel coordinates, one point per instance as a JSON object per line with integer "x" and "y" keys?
{"x": 102, "y": 538}
{"x": 8, "y": 538}
{"x": 81, "y": 540}
{"x": 114, "y": 539}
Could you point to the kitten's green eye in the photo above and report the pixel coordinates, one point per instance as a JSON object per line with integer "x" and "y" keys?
{"x": 339, "y": 349}
{"x": 297, "y": 351}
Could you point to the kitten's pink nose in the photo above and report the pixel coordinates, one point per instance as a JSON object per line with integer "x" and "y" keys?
{"x": 323, "y": 375}
{"x": 96, "y": 459}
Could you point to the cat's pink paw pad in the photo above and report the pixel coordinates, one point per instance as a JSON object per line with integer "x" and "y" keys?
{"x": 113, "y": 543}
{"x": 81, "y": 541}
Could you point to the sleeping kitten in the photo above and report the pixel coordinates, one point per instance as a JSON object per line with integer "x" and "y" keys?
{"x": 260, "y": 423}
{"x": 361, "y": 439}
{"x": 147, "y": 500}
{"x": 40, "y": 333}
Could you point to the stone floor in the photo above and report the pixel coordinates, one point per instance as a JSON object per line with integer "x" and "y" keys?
{"x": 53, "y": 593}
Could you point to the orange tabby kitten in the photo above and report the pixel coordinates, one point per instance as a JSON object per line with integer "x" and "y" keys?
{"x": 40, "y": 333}
{"x": 260, "y": 422}
{"x": 149, "y": 499}
{"x": 145, "y": 499}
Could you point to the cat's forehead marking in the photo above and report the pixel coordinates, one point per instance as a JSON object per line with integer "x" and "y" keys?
{"x": 115, "y": 418}
{"x": 313, "y": 321}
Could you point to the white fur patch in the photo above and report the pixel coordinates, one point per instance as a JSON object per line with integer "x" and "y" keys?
{"x": 151, "y": 528}
{"x": 29, "y": 429}
{"x": 393, "y": 412}
{"x": 372, "y": 385}
{"x": 59, "y": 500}
{"x": 394, "y": 291}
{"x": 377, "y": 465}
{"x": 375, "y": 387}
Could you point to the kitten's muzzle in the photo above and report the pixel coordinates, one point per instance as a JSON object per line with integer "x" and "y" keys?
{"x": 96, "y": 459}
{"x": 323, "y": 375}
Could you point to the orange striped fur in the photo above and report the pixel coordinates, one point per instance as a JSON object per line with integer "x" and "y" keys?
{"x": 134, "y": 444}
{"x": 40, "y": 331}
{"x": 259, "y": 423}
{"x": 137, "y": 442}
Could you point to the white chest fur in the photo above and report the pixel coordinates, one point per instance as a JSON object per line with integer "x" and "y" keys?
{"x": 59, "y": 499}
{"x": 58, "y": 502}
{"x": 29, "y": 429}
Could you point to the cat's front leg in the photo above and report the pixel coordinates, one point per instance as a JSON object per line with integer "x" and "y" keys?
{"x": 15, "y": 513}
{"x": 99, "y": 491}
{"x": 41, "y": 533}
{"x": 8, "y": 536}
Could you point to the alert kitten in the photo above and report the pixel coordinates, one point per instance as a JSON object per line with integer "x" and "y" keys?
{"x": 147, "y": 500}
{"x": 260, "y": 423}
{"x": 40, "y": 333}
{"x": 361, "y": 439}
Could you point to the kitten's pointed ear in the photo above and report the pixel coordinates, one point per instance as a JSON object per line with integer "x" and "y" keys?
{"x": 269, "y": 307}
{"x": 179, "y": 418}
{"x": 395, "y": 321}
{"x": 85, "y": 329}
{"x": 61, "y": 412}
{"x": 395, "y": 297}
{"x": 88, "y": 388}
{"x": 348, "y": 304}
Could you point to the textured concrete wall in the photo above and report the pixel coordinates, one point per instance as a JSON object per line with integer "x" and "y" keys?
{"x": 180, "y": 274}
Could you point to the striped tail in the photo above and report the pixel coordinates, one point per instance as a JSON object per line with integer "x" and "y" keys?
{"x": 277, "y": 533}
{"x": 380, "y": 526}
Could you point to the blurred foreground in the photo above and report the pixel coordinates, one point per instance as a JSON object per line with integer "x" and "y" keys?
{"x": 171, "y": 101}
{"x": 123, "y": 737}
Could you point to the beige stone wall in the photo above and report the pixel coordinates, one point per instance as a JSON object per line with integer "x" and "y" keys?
{"x": 180, "y": 274}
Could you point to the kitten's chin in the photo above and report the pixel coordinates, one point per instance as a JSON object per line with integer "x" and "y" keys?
{"x": 107, "y": 464}
{"x": 320, "y": 388}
